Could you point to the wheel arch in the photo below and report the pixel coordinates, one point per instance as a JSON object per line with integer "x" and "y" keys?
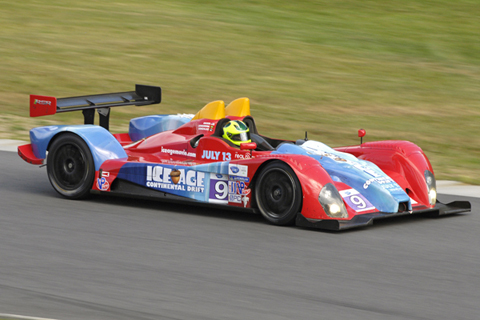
{"x": 257, "y": 173}
{"x": 304, "y": 168}
{"x": 272, "y": 206}
{"x": 102, "y": 144}
{"x": 403, "y": 161}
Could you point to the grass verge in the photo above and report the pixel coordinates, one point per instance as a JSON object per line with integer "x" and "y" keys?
{"x": 408, "y": 70}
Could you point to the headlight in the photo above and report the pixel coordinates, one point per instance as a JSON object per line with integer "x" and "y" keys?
{"x": 431, "y": 187}
{"x": 332, "y": 202}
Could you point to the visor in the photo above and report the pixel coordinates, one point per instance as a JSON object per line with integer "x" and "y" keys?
{"x": 243, "y": 136}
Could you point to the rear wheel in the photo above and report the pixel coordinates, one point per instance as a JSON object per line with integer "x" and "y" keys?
{"x": 278, "y": 193}
{"x": 70, "y": 166}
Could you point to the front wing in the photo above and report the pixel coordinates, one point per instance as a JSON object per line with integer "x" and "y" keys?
{"x": 363, "y": 220}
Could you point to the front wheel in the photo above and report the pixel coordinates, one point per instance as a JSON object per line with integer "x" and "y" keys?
{"x": 70, "y": 166}
{"x": 278, "y": 193}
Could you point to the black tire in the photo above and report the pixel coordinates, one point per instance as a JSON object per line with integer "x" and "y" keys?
{"x": 70, "y": 166}
{"x": 278, "y": 193}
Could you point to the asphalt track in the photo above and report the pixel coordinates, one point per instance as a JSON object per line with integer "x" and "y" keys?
{"x": 116, "y": 258}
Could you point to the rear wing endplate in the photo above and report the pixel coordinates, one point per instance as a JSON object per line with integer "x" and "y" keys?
{"x": 143, "y": 95}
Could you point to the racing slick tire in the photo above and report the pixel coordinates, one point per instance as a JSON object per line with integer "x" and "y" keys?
{"x": 70, "y": 166}
{"x": 278, "y": 193}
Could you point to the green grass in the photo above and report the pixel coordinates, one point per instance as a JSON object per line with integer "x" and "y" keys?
{"x": 406, "y": 70}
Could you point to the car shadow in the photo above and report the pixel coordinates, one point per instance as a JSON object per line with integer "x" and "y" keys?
{"x": 229, "y": 213}
{"x": 186, "y": 208}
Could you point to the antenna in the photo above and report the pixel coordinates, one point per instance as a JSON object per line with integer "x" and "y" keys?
{"x": 361, "y": 134}
{"x": 306, "y": 138}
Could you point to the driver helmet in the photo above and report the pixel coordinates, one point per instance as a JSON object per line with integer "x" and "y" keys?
{"x": 236, "y": 132}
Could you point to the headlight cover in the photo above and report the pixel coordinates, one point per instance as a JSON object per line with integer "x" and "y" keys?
{"x": 332, "y": 202}
{"x": 431, "y": 187}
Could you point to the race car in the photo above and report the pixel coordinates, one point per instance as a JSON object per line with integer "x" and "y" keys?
{"x": 218, "y": 157}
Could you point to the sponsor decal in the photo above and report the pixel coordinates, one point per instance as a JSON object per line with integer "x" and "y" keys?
{"x": 175, "y": 175}
{"x": 356, "y": 201}
{"x": 218, "y": 192}
{"x": 216, "y": 155}
{"x": 235, "y": 198}
{"x": 245, "y": 200}
{"x": 238, "y": 178}
{"x": 177, "y": 162}
{"x": 237, "y": 187}
{"x": 206, "y": 126}
{"x": 102, "y": 184}
{"x": 159, "y": 177}
{"x": 385, "y": 182}
{"x": 318, "y": 148}
{"x": 243, "y": 156}
{"x": 42, "y": 102}
{"x": 238, "y": 170}
{"x": 245, "y": 197}
{"x": 365, "y": 169}
{"x": 238, "y": 192}
{"x": 178, "y": 152}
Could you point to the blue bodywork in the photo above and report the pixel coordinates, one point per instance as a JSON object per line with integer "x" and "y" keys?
{"x": 363, "y": 176}
{"x": 101, "y": 142}
{"x": 206, "y": 183}
{"x": 143, "y": 127}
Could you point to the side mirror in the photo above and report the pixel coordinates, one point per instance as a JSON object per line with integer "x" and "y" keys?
{"x": 248, "y": 146}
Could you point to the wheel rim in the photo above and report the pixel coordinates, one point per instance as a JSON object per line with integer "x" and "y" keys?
{"x": 278, "y": 195}
{"x": 69, "y": 167}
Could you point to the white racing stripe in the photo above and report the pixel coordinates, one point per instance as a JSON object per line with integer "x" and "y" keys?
{"x": 4, "y": 316}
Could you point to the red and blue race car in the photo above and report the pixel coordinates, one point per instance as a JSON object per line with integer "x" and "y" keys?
{"x": 218, "y": 157}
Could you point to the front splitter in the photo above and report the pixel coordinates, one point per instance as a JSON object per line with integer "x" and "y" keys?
{"x": 367, "y": 219}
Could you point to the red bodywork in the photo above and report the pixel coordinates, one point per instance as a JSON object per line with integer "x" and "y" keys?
{"x": 401, "y": 160}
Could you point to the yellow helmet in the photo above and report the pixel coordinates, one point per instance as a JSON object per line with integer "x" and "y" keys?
{"x": 236, "y": 132}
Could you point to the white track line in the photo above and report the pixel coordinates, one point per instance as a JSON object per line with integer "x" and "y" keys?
{"x": 5, "y": 316}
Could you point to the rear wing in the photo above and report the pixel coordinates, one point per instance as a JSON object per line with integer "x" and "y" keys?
{"x": 143, "y": 95}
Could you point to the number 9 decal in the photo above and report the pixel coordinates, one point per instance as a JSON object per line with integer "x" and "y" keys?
{"x": 358, "y": 202}
{"x": 221, "y": 190}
